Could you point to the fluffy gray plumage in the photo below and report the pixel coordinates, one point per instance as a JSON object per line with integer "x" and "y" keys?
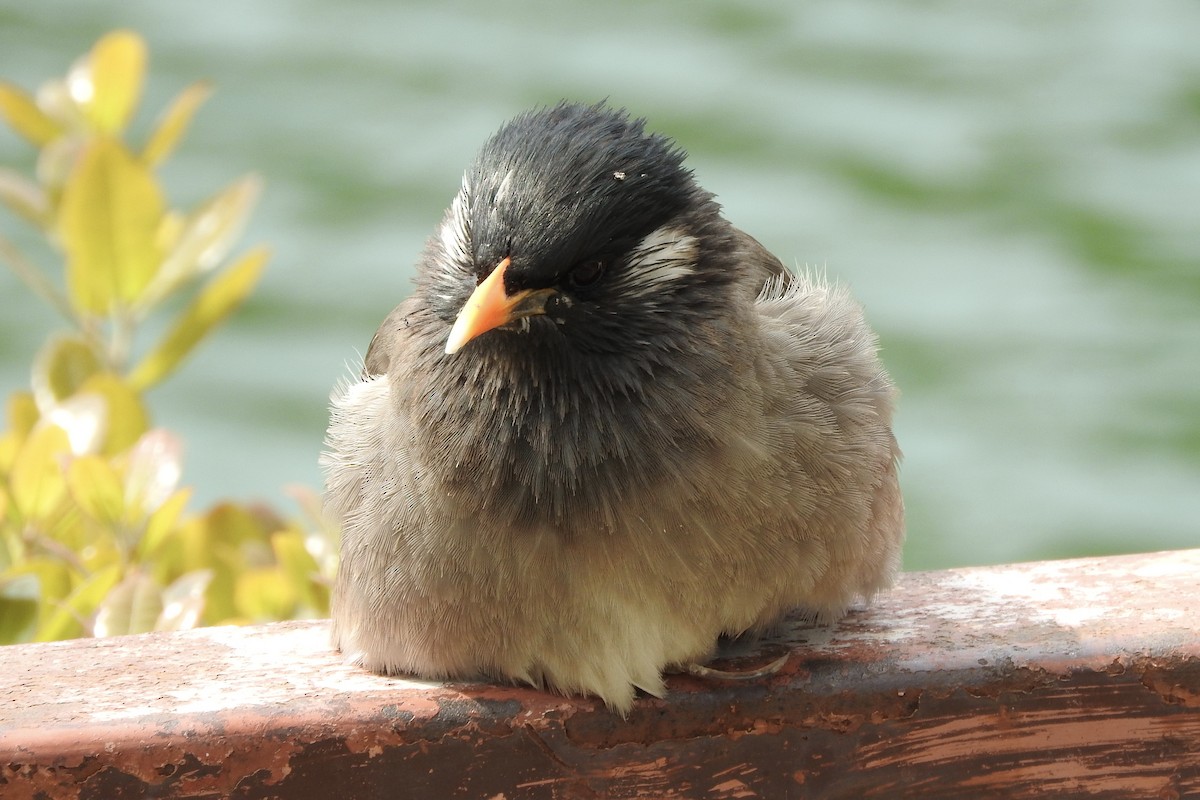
{"x": 690, "y": 441}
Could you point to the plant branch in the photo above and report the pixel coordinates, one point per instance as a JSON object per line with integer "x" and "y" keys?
{"x": 36, "y": 281}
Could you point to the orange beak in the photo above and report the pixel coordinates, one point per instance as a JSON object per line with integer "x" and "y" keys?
{"x": 490, "y": 306}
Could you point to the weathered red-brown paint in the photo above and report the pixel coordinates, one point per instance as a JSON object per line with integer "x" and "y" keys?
{"x": 1050, "y": 679}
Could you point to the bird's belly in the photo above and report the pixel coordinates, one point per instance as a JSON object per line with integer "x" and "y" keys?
{"x": 592, "y": 611}
{"x": 600, "y": 604}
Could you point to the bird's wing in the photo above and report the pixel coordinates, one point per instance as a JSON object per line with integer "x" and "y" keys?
{"x": 753, "y": 256}
{"x": 383, "y": 343}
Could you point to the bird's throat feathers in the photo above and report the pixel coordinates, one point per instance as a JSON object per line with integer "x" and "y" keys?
{"x": 518, "y": 419}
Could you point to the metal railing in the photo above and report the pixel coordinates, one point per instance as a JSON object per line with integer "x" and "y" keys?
{"x": 1063, "y": 678}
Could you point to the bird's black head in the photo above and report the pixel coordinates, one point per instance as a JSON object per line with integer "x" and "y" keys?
{"x": 601, "y": 235}
{"x": 601, "y": 306}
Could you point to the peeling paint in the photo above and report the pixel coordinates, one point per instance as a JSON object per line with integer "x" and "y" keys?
{"x": 1057, "y": 678}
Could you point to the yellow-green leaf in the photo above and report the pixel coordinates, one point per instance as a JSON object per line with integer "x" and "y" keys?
{"x": 169, "y": 231}
{"x": 264, "y": 594}
{"x": 10, "y": 445}
{"x": 206, "y": 237}
{"x": 71, "y": 617}
{"x": 55, "y": 101}
{"x": 183, "y": 601}
{"x": 189, "y": 547}
{"x": 61, "y": 367}
{"x": 160, "y": 525}
{"x": 233, "y": 524}
{"x": 36, "y": 482}
{"x": 25, "y": 117}
{"x": 24, "y": 197}
{"x": 54, "y": 578}
{"x": 85, "y": 419}
{"x": 211, "y": 540}
{"x": 132, "y": 606}
{"x": 212, "y": 230}
{"x": 109, "y": 219}
{"x": 298, "y": 566}
{"x": 321, "y": 535}
{"x": 174, "y": 122}
{"x": 22, "y": 413}
{"x": 97, "y": 546}
{"x": 13, "y": 546}
{"x": 291, "y": 554}
{"x": 97, "y": 489}
{"x": 217, "y": 300}
{"x": 55, "y": 164}
{"x": 107, "y": 83}
{"x": 22, "y": 416}
{"x": 227, "y": 539}
{"x": 19, "y": 596}
{"x": 155, "y": 466}
{"x": 127, "y": 415}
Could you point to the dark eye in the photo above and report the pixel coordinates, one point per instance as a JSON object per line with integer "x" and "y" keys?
{"x": 587, "y": 272}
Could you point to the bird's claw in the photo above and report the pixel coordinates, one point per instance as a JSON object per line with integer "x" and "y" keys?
{"x": 702, "y": 671}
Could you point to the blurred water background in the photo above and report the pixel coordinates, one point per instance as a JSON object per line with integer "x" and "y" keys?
{"x": 1012, "y": 190}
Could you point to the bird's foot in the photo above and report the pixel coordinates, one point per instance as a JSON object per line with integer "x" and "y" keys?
{"x": 702, "y": 671}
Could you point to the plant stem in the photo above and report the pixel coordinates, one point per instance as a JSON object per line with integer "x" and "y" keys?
{"x": 122, "y": 338}
{"x": 36, "y": 281}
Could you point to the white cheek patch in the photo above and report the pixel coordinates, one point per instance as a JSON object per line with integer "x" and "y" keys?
{"x": 456, "y": 230}
{"x": 662, "y": 258}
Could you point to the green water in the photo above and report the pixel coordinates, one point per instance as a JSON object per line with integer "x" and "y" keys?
{"x": 1012, "y": 190}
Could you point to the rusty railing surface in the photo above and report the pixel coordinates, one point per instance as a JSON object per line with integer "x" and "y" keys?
{"x": 1063, "y": 678}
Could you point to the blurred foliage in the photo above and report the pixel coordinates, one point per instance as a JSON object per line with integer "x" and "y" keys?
{"x": 94, "y": 536}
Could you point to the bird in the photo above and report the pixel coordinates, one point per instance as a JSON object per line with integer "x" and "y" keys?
{"x": 606, "y": 431}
